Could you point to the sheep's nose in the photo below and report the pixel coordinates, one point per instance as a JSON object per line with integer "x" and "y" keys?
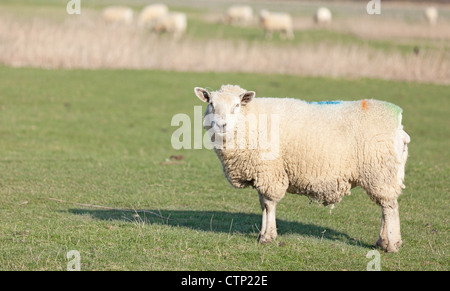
{"x": 221, "y": 124}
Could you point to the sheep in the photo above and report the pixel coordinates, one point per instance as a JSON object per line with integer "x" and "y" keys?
{"x": 173, "y": 22}
{"x": 150, "y": 13}
{"x": 239, "y": 14}
{"x": 431, "y": 14}
{"x": 118, "y": 14}
{"x": 324, "y": 149}
{"x": 322, "y": 16}
{"x": 276, "y": 21}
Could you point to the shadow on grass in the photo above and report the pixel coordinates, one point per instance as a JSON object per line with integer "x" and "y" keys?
{"x": 219, "y": 221}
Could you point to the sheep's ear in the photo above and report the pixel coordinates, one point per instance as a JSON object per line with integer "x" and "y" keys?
{"x": 247, "y": 97}
{"x": 202, "y": 94}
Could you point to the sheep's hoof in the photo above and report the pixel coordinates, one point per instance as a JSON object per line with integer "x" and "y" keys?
{"x": 260, "y": 235}
{"x": 393, "y": 248}
{"x": 381, "y": 243}
{"x": 265, "y": 240}
{"x": 389, "y": 247}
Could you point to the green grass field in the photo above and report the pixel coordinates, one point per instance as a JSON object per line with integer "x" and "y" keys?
{"x": 103, "y": 137}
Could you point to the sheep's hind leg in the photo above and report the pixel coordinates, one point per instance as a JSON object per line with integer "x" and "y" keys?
{"x": 382, "y": 241}
{"x": 390, "y": 238}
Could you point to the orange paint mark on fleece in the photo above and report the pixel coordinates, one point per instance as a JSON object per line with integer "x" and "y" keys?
{"x": 364, "y": 104}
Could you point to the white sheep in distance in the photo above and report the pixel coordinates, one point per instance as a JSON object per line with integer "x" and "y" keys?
{"x": 173, "y": 22}
{"x": 239, "y": 14}
{"x": 276, "y": 22}
{"x": 118, "y": 14}
{"x": 322, "y": 16}
{"x": 324, "y": 150}
{"x": 431, "y": 14}
{"x": 150, "y": 13}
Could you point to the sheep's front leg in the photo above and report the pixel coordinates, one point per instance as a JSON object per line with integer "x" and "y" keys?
{"x": 269, "y": 224}
{"x": 390, "y": 238}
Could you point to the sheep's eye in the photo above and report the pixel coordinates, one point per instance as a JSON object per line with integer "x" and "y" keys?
{"x": 235, "y": 108}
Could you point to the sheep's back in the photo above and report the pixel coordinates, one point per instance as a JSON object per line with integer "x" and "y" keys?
{"x": 324, "y": 145}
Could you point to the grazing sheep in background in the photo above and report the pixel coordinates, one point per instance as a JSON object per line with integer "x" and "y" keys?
{"x": 118, "y": 14}
{"x": 239, "y": 14}
{"x": 324, "y": 150}
{"x": 173, "y": 22}
{"x": 431, "y": 14}
{"x": 322, "y": 16}
{"x": 276, "y": 22}
{"x": 150, "y": 13}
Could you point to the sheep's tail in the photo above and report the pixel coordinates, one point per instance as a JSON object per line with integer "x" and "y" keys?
{"x": 402, "y": 139}
{"x": 406, "y": 138}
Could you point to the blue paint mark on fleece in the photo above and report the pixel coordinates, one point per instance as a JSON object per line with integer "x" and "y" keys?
{"x": 324, "y": 102}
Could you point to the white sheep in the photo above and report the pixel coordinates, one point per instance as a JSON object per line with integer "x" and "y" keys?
{"x": 173, "y": 22}
{"x": 276, "y": 22}
{"x": 431, "y": 14}
{"x": 118, "y": 14}
{"x": 239, "y": 14}
{"x": 150, "y": 13}
{"x": 322, "y": 16}
{"x": 317, "y": 149}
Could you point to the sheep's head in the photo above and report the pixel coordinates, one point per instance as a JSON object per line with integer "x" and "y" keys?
{"x": 224, "y": 106}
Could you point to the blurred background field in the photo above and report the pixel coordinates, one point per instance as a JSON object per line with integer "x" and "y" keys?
{"x": 397, "y": 44}
{"x": 85, "y": 117}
